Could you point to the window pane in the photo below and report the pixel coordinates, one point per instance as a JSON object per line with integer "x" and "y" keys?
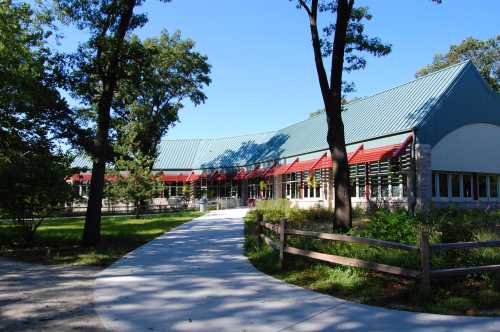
{"x": 361, "y": 187}
{"x": 443, "y": 185}
{"x": 306, "y": 190}
{"x": 352, "y": 187}
{"x": 434, "y": 185}
{"x": 395, "y": 186}
{"x": 467, "y": 186}
{"x": 405, "y": 186}
{"x": 384, "y": 186}
{"x": 455, "y": 185}
{"x": 374, "y": 186}
{"x": 481, "y": 186}
{"x": 493, "y": 186}
{"x": 318, "y": 191}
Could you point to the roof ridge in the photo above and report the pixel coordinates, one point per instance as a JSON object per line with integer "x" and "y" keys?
{"x": 219, "y": 138}
{"x": 411, "y": 81}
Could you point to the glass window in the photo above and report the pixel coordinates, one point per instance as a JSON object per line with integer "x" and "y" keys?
{"x": 352, "y": 187}
{"x": 482, "y": 186}
{"x": 384, "y": 186}
{"x": 434, "y": 185}
{"x": 455, "y": 185}
{"x": 361, "y": 187}
{"x": 395, "y": 190}
{"x": 405, "y": 185}
{"x": 374, "y": 186}
{"x": 493, "y": 186}
{"x": 443, "y": 185}
{"x": 467, "y": 179}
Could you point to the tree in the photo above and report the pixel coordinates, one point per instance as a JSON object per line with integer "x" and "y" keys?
{"x": 147, "y": 105}
{"x": 32, "y": 170}
{"x": 33, "y": 184}
{"x": 485, "y": 54}
{"x": 95, "y": 71}
{"x": 343, "y": 41}
{"x": 149, "y": 101}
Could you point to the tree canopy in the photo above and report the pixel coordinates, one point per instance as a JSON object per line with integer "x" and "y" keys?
{"x": 32, "y": 168}
{"x": 485, "y": 54}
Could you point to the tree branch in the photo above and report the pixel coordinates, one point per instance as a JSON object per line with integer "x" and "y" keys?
{"x": 316, "y": 42}
{"x": 306, "y": 7}
{"x": 339, "y": 42}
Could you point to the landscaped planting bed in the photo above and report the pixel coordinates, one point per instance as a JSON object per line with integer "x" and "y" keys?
{"x": 477, "y": 294}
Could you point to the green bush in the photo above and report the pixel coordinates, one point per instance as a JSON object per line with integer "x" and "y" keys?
{"x": 395, "y": 226}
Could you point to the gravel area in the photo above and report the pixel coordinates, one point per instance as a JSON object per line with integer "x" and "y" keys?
{"x": 47, "y": 298}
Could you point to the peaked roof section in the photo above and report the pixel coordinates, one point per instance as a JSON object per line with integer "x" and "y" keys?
{"x": 389, "y": 112}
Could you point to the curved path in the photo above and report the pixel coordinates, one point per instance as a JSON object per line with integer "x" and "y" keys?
{"x": 196, "y": 278}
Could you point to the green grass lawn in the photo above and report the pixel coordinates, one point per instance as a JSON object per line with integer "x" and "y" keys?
{"x": 58, "y": 241}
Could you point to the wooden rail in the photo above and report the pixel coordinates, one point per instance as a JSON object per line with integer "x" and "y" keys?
{"x": 465, "y": 245}
{"x": 464, "y": 270}
{"x": 354, "y": 262}
{"x": 425, "y": 249}
{"x": 354, "y": 239}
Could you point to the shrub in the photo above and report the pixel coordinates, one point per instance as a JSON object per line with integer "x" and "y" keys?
{"x": 273, "y": 210}
{"x": 395, "y": 226}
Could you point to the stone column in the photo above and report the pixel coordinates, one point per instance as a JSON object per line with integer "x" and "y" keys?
{"x": 244, "y": 192}
{"x": 424, "y": 175}
{"x": 278, "y": 186}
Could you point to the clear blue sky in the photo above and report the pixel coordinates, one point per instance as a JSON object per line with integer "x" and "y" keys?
{"x": 263, "y": 75}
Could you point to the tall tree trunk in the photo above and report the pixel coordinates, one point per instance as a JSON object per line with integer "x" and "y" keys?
{"x": 332, "y": 99}
{"x": 336, "y": 143}
{"x": 92, "y": 229}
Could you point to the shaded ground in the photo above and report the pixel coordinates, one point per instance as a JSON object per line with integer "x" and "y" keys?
{"x": 47, "y": 298}
{"x": 196, "y": 278}
{"x": 58, "y": 241}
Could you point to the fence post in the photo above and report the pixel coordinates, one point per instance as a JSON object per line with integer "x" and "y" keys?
{"x": 260, "y": 218}
{"x": 425, "y": 260}
{"x": 283, "y": 226}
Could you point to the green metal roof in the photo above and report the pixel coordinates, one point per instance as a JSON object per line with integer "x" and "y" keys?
{"x": 387, "y": 113}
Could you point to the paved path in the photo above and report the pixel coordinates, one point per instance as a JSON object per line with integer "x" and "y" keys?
{"x": 196, "y": 278}
{"x": 36, "y": 297}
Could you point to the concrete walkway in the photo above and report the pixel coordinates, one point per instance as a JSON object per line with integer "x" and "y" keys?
{"x": 196, "y": 278}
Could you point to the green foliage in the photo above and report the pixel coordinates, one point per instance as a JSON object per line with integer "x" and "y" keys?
{"x": 396, "y": 226}
{"x": 32, "y": 170}
{"x": 274, "y": 210}
{"x": 470, "y": 295}
{"x": 485, "y": 54}
{"x": 33, "y": 185}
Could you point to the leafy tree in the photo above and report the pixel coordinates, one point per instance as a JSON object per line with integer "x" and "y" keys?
{"x": 169, "y": 72}
{"x": 33, "y": 184}
{"x": 95, "y": 71}
{"x": 485, "y": 54}
{"x": 343, "y": 42}
{"x": 32, "y": 170}
{"x": 147, "y": 105}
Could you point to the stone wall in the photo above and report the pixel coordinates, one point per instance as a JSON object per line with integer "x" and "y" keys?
{"x": 424, "y": 175}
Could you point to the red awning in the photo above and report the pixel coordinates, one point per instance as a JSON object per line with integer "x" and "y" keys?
{"x": 240, "y": 175}
{"x": 380, "y": 153}
{"x": 192, "y": 177}
{"x": 173, "y": 177}
{"x": 375, "y": 154}
{"x": 258, "y": 172}
{"x": 301, "y": 166}
{"x": 86, "y": 177}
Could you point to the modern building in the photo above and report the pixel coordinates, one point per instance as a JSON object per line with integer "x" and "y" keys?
{"x": 433, "y": 139}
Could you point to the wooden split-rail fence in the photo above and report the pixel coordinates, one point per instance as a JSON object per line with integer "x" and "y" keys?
{"x": 425, "y": 249}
